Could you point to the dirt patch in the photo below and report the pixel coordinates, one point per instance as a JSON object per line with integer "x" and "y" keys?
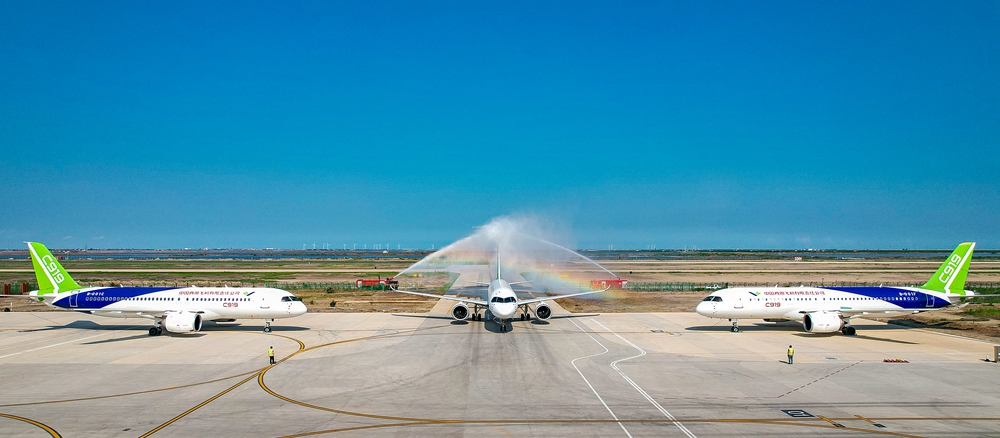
{"x": 363, "y": 301}
{"x": 635, "y": 302}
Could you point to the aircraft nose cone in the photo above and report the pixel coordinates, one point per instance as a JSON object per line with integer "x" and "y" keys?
{"x": 505, "y": 311}
{"x": 702, "y": 308}
{"x": 298, "y": 309}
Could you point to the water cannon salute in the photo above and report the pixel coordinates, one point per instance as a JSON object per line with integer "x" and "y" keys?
{"x": 601, "y": 219}
{"x": 507, "y": 252}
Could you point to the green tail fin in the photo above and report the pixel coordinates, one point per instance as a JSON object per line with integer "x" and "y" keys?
{"x": 950, "y": 277}
{"x": 51, "y": 276}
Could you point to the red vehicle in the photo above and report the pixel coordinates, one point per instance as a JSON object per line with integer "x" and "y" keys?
{"x": 613, "y": 284}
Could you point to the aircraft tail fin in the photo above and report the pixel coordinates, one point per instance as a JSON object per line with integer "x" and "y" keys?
{"x": 950, "y": 277}
{"x": 51, "y": 276}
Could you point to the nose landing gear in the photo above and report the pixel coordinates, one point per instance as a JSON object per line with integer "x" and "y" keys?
{"x": 736, "y": 326}
{"x": 267, "y": 325}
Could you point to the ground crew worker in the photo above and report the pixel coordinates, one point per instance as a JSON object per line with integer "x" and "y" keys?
{"x": 791, "y": 352}
{"x": 270, "y": 354}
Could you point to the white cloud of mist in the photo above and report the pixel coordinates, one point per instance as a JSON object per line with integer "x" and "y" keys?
{"x": 530, "y": 247}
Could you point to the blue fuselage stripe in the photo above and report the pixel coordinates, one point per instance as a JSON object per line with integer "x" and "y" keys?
{"x": 99, "y": 298}
{"x": 904, "y": 298}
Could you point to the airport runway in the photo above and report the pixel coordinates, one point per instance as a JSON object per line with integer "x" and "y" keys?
{"x": 666, "y": 374}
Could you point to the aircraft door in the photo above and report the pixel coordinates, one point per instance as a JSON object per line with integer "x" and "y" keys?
{"x": 73, "y": 298}
{"x": 264, "y": 304}
{"x": 930, "y": 300}
{"x": 738, "y": 304}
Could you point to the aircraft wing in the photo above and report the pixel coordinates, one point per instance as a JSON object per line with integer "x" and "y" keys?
{"x": 443, "y": 297}
{"x": 538, "y": 300}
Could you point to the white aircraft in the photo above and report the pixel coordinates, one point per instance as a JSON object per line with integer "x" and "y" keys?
{"x": 501, "y": 303}
{"x": 829, "y": 309}
{"x": 176, "y": 309}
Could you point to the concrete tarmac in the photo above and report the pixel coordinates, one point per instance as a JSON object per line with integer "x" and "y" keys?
{"x": 375, "y": 374}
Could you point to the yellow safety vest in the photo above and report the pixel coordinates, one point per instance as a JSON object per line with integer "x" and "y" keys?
{"x": 791, "y": 351}
{"x": 270, "y": 352}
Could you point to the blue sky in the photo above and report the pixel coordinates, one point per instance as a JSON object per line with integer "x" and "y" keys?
{"x": 840, "y": 124}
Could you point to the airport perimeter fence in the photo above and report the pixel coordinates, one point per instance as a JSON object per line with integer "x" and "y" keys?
{"x": 637, "y": 286}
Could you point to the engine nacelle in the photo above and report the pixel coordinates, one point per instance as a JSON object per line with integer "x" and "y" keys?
{"x": 182, "y": 322}
{"x": 817, "y": 322}
{"x": 460, "y": 312}
{"x": 543, "y": 311}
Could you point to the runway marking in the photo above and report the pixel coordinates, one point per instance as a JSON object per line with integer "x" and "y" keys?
{"x": 260, "y": 380}
{"x": 870, "y": 421}
{"x": 198, "y": 406}
{"x": 56, "y": 345}
{"x": 642, "y": 352}
{"x": 409, "y": 422}
{"x": 573, "y": 362}
{"x": 830, "y": 421}
{"x": 260, "y": 376}
{"x": 355, "y": 428}
{"x": 817, "y": 380}
{"x": 168, "y": 388}
{"x": 302, "y": 347}
{"x": 777, "y": 422}
{"x": 47, "y": 429}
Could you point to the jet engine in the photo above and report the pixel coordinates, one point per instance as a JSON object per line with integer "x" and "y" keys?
{"x": 182, "y": 322}
{"x": 822, "y": 322}
{"x": 460, "y": 312}
{"x": 543, "y": 311}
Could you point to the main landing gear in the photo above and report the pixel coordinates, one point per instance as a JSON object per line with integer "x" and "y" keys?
{"x": 736, "y": 325}
{"x": 848, "y": 330}
{"x": 157, "y": 328}
{"x": 525, "y": 315}
{"x": 267, "y": 325}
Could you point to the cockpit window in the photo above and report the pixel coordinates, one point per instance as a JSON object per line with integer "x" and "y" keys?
{"x": 290, "y": 298}
{"x": 717, "y": 299}
{"x": 496, "y": 300}
{"x": 508, "y": 300}
{"x": 709, "y": 298}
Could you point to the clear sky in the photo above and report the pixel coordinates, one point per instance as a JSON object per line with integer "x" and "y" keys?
{"x": 836, "y": 124}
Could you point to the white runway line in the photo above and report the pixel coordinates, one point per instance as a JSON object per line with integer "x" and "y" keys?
{"x": 56, "y": 345}
{"x": 573, "y": 362}
{"x": 636, "y": 386}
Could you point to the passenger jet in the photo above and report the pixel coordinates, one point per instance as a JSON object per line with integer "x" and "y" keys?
{"x": 502, "y": 303}
{"x": 830, "y": 309}
{"x": 175, "y": 309}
